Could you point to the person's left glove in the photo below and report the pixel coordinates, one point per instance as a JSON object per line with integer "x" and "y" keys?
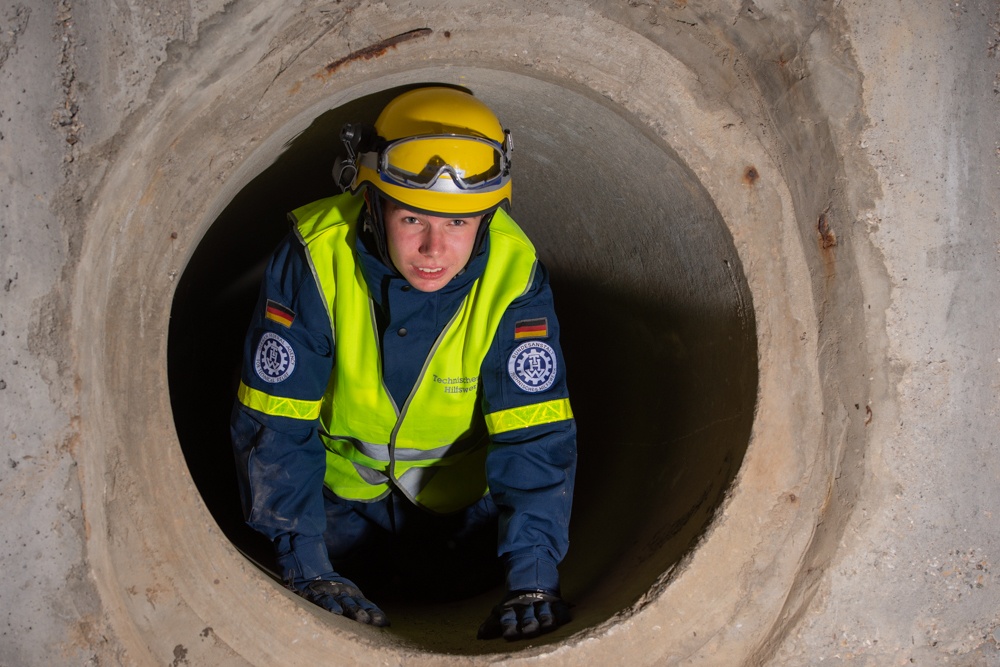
{"x": 525, "y": 614}
{"x": 341, "y": 596}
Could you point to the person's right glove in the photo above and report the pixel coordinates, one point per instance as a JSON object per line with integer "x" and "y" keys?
{"x": 305, "y": 567}
{"x": 525, "y": 614}
{"x": 341, "y": 596}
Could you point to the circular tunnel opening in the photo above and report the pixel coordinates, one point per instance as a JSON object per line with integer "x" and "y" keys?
{"x": 657, "y": 327}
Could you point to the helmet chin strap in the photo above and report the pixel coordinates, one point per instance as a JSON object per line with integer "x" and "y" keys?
{"x": 373, "y": 222}
{"x": 484, "y": 228}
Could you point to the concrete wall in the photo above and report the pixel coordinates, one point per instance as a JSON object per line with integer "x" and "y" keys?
{"x": 860, "y": 528}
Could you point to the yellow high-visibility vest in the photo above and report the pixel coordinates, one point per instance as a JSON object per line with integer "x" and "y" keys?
{"x": 433, "y": 447}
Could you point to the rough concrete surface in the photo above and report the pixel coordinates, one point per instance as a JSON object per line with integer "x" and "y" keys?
{"x": 851, "y": 150}
{"x": 915, "y": 578}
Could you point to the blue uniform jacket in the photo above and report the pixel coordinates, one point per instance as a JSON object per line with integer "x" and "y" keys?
{"x": 281, "y": 460}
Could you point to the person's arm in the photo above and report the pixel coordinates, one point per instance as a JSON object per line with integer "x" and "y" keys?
{"x": 531, "y": 463}
{"x": 288, "y": 357}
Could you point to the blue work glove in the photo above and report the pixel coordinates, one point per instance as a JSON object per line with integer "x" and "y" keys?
{"x": 525, "y": 614}
{"x": 341, "y": 596}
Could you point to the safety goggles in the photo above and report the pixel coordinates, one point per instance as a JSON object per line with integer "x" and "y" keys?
{"x": 443, "y": 163}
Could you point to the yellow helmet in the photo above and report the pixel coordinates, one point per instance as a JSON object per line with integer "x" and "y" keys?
{"x": 438, "y": 150}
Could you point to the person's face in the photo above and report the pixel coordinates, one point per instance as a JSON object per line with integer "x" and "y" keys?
{"x": 428, "y": 250}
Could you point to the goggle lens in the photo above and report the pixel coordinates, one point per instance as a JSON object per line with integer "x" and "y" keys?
{"x": 444, "y": 163}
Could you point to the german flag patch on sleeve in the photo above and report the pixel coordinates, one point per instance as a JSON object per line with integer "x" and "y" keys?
{"x": 536, "y": 328}
{"x": 278, "y": 313}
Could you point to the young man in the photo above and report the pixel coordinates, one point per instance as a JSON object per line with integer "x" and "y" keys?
{"x": 403, "y": 388}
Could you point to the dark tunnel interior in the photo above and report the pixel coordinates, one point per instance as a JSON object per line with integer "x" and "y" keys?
{"x": 657, "y": 327}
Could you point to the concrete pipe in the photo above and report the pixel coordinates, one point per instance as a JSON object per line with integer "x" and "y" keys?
{"x": 700, "y": 181}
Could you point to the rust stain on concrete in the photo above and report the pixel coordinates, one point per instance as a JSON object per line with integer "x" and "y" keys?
{"x": 374, "y": 50}
{"x": 827, "y": 238}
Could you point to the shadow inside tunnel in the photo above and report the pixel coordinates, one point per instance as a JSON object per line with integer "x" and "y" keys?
{"x": 654, "y": 461}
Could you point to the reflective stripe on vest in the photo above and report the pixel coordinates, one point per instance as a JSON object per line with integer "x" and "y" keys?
{"x": 434, "y": 447}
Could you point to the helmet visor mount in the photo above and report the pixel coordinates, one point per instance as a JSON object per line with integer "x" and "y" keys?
{"x": 443, "y": 163}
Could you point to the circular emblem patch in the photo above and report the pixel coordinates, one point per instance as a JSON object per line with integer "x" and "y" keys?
{"x": 532, "y": 366}
{"x": 275, "y": 358}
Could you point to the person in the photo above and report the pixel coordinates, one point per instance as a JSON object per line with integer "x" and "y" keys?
{"x": 403, "y": 391}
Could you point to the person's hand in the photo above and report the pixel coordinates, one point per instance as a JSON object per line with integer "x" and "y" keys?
{"x": 525, "y": 614}
{"x": 341, "y": 596}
